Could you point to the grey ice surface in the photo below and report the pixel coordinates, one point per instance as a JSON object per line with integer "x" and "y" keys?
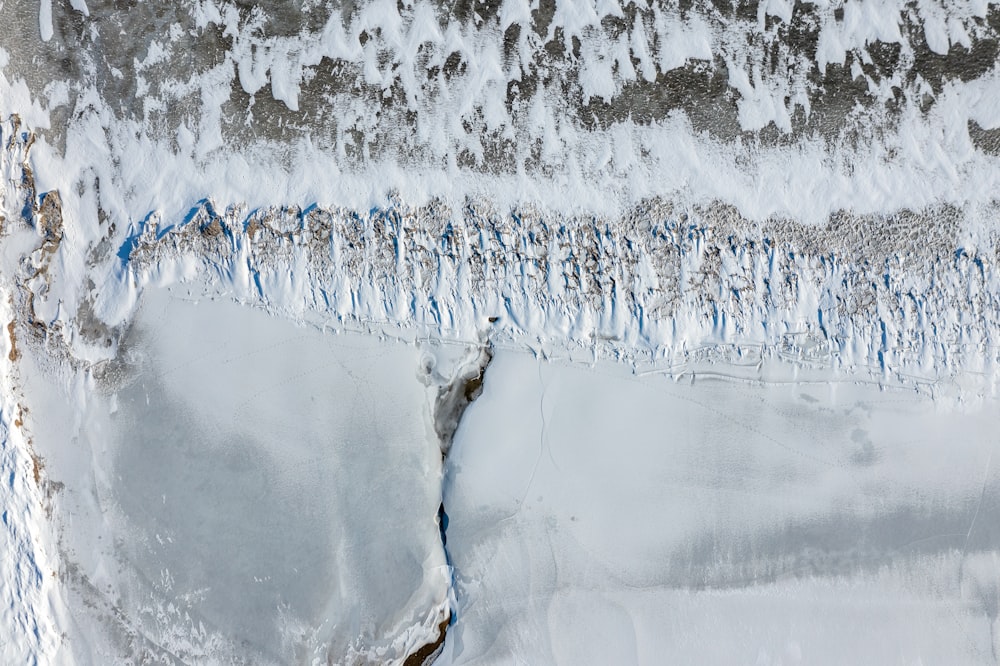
{"x": 256, "y": 491}
{"x": 242, "y": 488}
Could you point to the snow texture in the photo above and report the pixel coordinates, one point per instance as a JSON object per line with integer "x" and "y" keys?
{"x": 795, "y": 198}
{"x": 628, "y": 519}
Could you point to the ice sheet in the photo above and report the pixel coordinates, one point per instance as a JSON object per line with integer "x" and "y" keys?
{"x": 240, "y": 487}
{"x": 797, "y": 193}
{"x": 599, "y": 517}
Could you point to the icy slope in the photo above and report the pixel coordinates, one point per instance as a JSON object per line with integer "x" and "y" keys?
{"x": 676, "y": 290}
{"x": 661, "y": 285}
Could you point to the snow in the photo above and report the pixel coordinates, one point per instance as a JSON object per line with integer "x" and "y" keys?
{"x": 805, "y": 180}
{"x": 595, "y": 513}
{"x": 244, "y": 488}
{"x": 744, "y": 377}
{"x": 45, "y": 19}
{"x": 27, "y": 581}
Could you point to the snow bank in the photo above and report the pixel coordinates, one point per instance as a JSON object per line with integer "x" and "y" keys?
{"x": 663, "y": 286}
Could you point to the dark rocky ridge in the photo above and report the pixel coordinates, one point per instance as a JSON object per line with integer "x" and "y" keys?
{"x": 105, "y": 51}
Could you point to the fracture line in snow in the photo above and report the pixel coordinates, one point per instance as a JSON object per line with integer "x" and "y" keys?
{"x": 450, "y": 397}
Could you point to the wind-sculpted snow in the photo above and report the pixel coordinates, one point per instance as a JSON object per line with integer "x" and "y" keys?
{"x": 777, "y": 108}
{"x": 245, "y": 491}
{"x": 28, "y": 575}
{"x": 597, "y": 516}
{"x": 494, "y": 65}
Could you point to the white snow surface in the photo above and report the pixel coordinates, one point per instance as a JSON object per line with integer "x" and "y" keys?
{"x": 29, "y": 622}
{"x": 832, "y": 487}
{"x": 597, "y": 516}
{"x": 910, "y": 160}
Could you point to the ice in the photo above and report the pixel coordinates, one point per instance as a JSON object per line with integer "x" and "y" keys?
{"x": 45, "y": 19}
{"x": 735, "y": 267}
{"x": 600, "y": 517}
{"x": 245, "y": 488}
